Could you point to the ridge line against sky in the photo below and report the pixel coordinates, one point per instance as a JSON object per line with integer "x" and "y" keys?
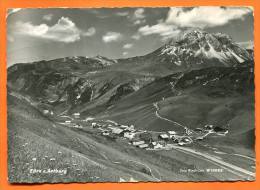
{"x": 37, "y": 34}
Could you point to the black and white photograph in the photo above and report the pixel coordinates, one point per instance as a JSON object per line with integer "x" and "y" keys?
{"x": 134, "y": 94}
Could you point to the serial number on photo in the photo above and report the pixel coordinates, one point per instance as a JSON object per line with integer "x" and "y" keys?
{"x": 207, "y": 170}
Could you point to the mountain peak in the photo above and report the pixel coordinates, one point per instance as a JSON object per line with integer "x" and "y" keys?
{"x": 202, "y": 45}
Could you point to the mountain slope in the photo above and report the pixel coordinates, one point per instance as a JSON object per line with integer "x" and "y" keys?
{"x": 193, "y": 49}
{"x": 220, "y": 96}
{"x": 79, "y": 83}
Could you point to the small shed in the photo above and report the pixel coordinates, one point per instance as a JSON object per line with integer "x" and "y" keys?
{"x": 172, "y": 132}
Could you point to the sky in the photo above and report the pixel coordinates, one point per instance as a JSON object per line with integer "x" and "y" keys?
{"x": 44, "y": 34}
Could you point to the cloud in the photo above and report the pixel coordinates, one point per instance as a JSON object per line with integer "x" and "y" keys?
{"x": 205, "y": 17}
{"x": 126, "y": 13}
{"x": 125, "y": 53}
{"x": 138, "y": 17}
{"x": 139, "y": 13}
{"x": 98, "y": 13}
{"x": 47, "y": 17}
{"x": 136, "y": 36}
{"x": 112, "y": 37}
{"x": 64, "y": 30}
{"x": 179, "y": 18}
{"x": 138, "y": 22}
{"x": 90, "y": 32}
{"x": 128, "y": 46}
{"x": 164, "y": 30}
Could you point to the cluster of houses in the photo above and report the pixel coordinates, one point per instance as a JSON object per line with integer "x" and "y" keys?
{"x": 212, "y": 129}
{"x": 154, "y": 140}
{"x": 120, "y": 130}
{"x": 148, "y": 139}
{"x": 173, "y": 137}
{"x": 142, "y": 139}
{"x": 162, "y": 140}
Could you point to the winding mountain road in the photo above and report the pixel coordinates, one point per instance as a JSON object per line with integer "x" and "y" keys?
{"x": 164, "y": 118}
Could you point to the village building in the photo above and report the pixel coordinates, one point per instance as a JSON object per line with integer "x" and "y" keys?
{"x": 158, "y": 146}
{"x": 45, "y": 112}
{"x": 95, "y": 125}
{"x": 222, "y": 133}
{"x": 143, "y": 146}
{"x": 123, "y": 126}
{"x": 78, "y": 126}
{"x": 208, "y": 127}
{"x": 185, "y": 140}
{"x": 137, "y": 143}
{"x": 172, "y": 132}
{"x": 105, "y": 133}
{"x": 76, "y": 115}
{"x": 67, "y": 121}
{"x": 220, "y": 130}
{"x": 129, "y": 135}
{"x": 89, "y": 118}
{"x": 131, "y": 128}
{"x": 117, "y": 131}
{"x": 198, "y": 130}
{"x": 163, "y": 137}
